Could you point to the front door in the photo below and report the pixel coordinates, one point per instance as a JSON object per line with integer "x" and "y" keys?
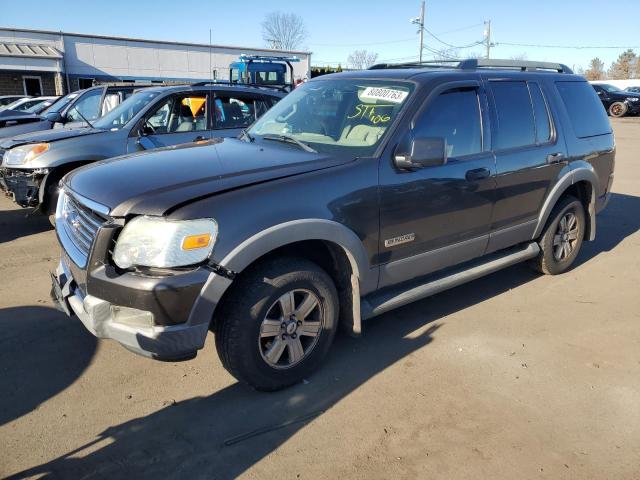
{"x": 435, "y": 217}
{"x": 176, "y": 119}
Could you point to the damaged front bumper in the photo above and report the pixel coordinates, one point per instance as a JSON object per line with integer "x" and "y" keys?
{"x": 22, "y": 185}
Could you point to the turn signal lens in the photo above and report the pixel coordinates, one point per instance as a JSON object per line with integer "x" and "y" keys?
{"x": 193, "y": 242}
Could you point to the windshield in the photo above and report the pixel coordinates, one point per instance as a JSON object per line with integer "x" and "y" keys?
{"x": 39, "y": 107}
{"x": 123, "y": 113}
{"x": 610, "y": 88}
{"x": 61, "y": 103}
{"x": 336, "y": 116}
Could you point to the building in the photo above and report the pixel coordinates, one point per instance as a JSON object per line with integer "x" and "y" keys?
{"x": 42, "y": 62}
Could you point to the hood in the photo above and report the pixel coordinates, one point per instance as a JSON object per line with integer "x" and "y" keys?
{"x": 9, "y": 114}
{"x": 52, "y": 135}
{"x": 155, "y": 182}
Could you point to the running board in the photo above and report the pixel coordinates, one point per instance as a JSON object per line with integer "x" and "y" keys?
{"x": 380, "y": 303}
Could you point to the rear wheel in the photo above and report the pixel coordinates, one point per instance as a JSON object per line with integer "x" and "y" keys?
{"x": 562, "y": 238}
{"x": 618, "y": 109}
{"x": 277, "y": 323}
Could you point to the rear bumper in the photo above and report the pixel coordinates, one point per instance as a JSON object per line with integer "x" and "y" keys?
{"x": 22, "y": 186}
{"x": 132, "y": 328}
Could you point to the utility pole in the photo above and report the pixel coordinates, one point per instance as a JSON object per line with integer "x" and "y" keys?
{"x": 487, "y": 37}
{"x": 420, "y": 22}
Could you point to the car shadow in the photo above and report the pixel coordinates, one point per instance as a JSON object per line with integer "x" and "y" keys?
{"x": 19, "y": 223}
{"x": 224, "y": 434}
{"x": 42, "y": 352}
{"x": 619, "y": 220}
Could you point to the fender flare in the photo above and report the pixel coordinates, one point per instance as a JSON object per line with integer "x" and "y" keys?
{"x": 583, "y": 172}
{"x": 363, "y": 278}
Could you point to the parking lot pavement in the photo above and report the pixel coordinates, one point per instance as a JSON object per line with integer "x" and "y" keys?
{"x": 514, "y": 375}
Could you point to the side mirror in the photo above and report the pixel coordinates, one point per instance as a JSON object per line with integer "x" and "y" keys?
{"x": 55, "y": 117}
{"x": 145, "y": 143}
{"x": 420, "y": 152}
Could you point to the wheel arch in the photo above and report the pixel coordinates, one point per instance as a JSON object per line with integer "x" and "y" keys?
{"x": 582, "y": 182}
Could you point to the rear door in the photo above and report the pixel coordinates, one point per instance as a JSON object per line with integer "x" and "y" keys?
{"x": 530, "y": 153}
{"x": 435, "y": 217}
{"x": 233, "y": 112}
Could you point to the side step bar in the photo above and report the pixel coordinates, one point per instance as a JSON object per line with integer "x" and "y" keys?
{"x": 380, "y": 303}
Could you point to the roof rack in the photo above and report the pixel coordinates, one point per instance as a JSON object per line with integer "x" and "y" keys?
{"x": 228, "y": 83}
{"x": 476, "y": 63}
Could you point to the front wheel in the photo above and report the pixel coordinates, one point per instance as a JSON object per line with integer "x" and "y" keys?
{"x": 562, "y": 237}
{"x": 277, "y": 324}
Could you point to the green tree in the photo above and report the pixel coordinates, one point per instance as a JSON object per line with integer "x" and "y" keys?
{"x": 625, "y": 67}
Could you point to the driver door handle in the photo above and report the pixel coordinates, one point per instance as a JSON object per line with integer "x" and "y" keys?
{"x": 199, "y": 138}
{"x": 555, "y": 157}
{"x": 477, "y": 174}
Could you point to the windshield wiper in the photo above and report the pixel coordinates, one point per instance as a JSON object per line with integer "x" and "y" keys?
{"x": 82, "y": 116}
{"x": 288, "y": 139}
{"x": 246, "y": 134}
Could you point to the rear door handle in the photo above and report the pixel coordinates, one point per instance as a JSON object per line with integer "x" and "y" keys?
{"x": 477, "y": 174}
{"x": 555, "y": 157}
{"x": 199, "y": 138}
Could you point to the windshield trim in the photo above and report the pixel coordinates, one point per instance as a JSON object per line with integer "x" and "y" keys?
{"x": 391, "y": 130}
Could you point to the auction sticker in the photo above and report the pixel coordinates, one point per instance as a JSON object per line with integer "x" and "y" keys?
{"x": 388, "y": 94}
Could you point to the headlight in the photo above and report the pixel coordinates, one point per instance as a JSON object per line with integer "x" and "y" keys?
{"x": 633, "y": 99}
{"x": 24, "y": 153}
{"x": 158, "y": 242}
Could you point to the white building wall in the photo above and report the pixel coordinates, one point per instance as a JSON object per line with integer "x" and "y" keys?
{"x": 96, "y": 56}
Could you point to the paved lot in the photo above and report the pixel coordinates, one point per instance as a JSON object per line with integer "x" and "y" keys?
{"x": 512, "y": 376}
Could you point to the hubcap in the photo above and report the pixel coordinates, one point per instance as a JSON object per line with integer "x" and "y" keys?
{"x": 566, "y": 237}
{"x": 293, "y": 325}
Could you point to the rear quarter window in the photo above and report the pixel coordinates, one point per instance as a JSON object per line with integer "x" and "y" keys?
{"x": 586, "y": 113}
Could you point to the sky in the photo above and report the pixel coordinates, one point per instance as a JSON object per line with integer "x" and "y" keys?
{"x": 338, "y": 27}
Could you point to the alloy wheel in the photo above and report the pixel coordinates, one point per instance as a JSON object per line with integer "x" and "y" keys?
{"x": 566, "y": 237}
{"x": 293, "y": 324}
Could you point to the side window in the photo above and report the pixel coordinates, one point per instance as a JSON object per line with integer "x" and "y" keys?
{"x": 234, "y": 112}
{"x": 586, "y": 114}
{"x": 88, "y": 105}
{"x": 541, "y": 112}
{"x": 179, "y": 114}
{"x": 454, "y": 115}
{"x": 111, "y": 101}
{"x": 262, "y": 105}
{"x": 516, "y": 126}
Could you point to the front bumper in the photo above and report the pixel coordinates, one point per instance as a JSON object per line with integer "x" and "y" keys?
{"x": 132, "y": 328}
{"x": 22, "y": 185}
{"x": 634, "y": 108}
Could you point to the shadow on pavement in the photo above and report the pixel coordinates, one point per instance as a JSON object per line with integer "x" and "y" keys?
{"x": 42, "y": 352}
{"x": 619, "y": 220}
{"x": 224, "y": 434}
{"x": 22, "y": 222}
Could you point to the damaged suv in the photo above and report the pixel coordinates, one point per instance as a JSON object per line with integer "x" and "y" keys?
{"x": 33, "y": 164}
{"x": 358, "y": 193}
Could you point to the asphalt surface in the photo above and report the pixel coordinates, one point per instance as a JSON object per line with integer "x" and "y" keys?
{"x": 515, "y": 375}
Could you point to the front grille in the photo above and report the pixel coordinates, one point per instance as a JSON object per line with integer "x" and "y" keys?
{"x": 81, "y": 224}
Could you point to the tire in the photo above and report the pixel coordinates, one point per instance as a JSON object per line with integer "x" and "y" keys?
{"x": 562, "y": 238}
{"x": 255, "y": 340}
{"x": 618, "y": 109}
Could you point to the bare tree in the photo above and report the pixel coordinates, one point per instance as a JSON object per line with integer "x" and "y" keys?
{"x": 284, "y": 31}
{"x": 361, "y": 59}
{"x": 595, "y": 70}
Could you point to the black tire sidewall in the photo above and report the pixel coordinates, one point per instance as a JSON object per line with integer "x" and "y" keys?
{"x": 559, "y": 266}
{"x": 260, "y": 292}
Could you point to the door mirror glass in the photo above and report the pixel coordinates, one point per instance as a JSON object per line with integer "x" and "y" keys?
{"x": 420, "y": 152}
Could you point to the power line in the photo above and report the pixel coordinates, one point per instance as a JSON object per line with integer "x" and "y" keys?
{"x": 576, "y": 47}
{"x": 471, "y": 45}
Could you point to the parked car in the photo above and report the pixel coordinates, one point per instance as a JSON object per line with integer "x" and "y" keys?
{"x": 91, "y": 104}
{"x": 617, "y": 102}
{"x": 7, "y": 99}
{"x": 358, "y": 193}
{"x": 24, "y": 104}
{"x": 633, "y": 89}
{"x": 156, "y": 117}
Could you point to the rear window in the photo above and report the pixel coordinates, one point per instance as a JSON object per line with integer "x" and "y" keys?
{"x": 516, "y": 123}
{"x": 585, "y": 110}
